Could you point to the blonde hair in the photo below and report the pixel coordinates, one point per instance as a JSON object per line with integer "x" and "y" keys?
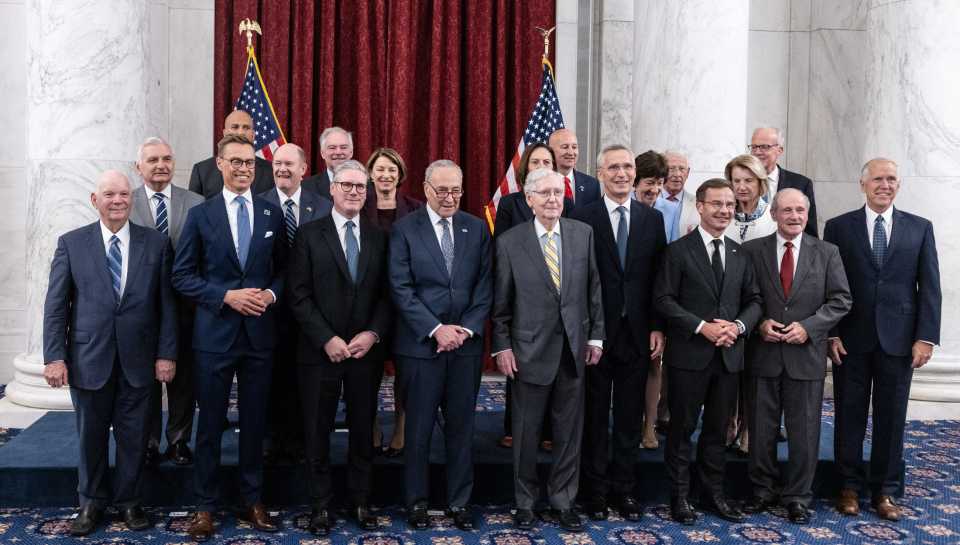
{"x": 752, "y": 164}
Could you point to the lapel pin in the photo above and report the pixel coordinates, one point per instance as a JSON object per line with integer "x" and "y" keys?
{"x": 734, "y": 250}
{"x": 266, "y": 212}
{"x": 464, "y": 230}
{"x": 309, "y": 209}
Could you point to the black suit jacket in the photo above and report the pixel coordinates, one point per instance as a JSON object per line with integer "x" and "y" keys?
{"x": 586, "y": 188}
{"x": 207, "y": 180}
{"x": 325, "y": 301}
{"x": 686, "y": 293}
{"x": 631, "y": 286}
{"x": 792, "y": 180}
{"x": 513, "y": 210}
{"x": 319, "y": 184}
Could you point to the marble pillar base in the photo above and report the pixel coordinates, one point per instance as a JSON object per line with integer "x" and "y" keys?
{"x": 31, "y": 390}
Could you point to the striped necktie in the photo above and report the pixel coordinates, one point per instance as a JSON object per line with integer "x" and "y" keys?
{"x": 115, "y": 260}
{"x": 553, "y": 260}
{"x": 162, "y": 224}
{"x": 291, "y": 221}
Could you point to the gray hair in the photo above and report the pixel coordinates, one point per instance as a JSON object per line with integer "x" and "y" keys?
{"x": 108, "y": 174}
{"x": 676, "y": 152}
{"x": 865, "y": 171}
{"x": 442, "y": 163}
{"x": 613, "y": 147}
{"x": 348, "y": 165}
{"x": 781, "y": 138}
{"x": 330, "y": 130}
{"x": 152, "y": 141}
{"x": 530, "y": 184}
{"x": 775, "y": 201}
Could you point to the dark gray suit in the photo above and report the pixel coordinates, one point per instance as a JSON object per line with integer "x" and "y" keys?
{"x": 790, "y": 376}
{"x": 207, "y": 180}
{"x": 548, "y": 333}
{"x": 702, "y": 375}
{"x": 181, "y": 398}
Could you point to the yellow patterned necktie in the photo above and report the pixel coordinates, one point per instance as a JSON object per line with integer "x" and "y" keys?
{"x": 553, "y": 260}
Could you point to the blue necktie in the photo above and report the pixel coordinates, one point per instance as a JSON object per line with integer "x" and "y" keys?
{"x": 622, "y": 237}
{"x": 446, "y": 245}
{"x": 243, "y": 232}
{"x": 879, "y": 241}
{"x": 353, "y": 251}
{"x": 162, "y": 224}
{"x": 115, "y": 260}
{"x": 291, "y": 221}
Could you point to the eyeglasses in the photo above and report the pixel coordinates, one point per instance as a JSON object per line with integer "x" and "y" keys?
{"x": 547, "y": 193}
{"x": 348, "y": 187}
{"x": 717, "y": 204}
{"x": 762, "y": 147}
{"x": 237, "y": 163}
{"x": 444, "y": 192}
{"x": 681, "y": 170}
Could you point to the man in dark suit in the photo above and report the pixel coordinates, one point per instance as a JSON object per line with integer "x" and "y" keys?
{"x": 109, "y": 332}
{"x": 441, "y": 281}
{"x": 337, "y": 288}
{"x": 707, "y": 292}
{"x": 283, "y": 435}
{"x": 160, "y": 205}
{"x": 767, "y": 145}
{"x": 890, "y": 258}
{"x": 336, "y": 146}
{"x": 582, "y": 188}
{"x": 207, "y": 180}
{"x": 630, "y": 238}
{"x": 231, "y": 261}
{"x": 805, "y": 293}
{"x": 545, "y": 345}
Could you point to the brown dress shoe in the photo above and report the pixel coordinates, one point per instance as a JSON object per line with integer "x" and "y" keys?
{"x": 506, "y": 442}
{"x": 887, "y": 509}
{"x": 201, "y": 529}
{"x": 260, "y": 518}
{"x": 847, "y": 503}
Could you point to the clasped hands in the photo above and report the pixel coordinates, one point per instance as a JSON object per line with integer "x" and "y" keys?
{"x": 359, "y": 345}
{"x": 793, "y": 334}
{"x": 720, "y": 332}
{"x": 249, "y": 301}
{"x": 450, "y": 337}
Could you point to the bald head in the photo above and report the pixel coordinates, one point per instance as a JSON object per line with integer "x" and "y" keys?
{"x": 239, "y": 122}
{"x": 564, "y": 145}
{"x": 111, "y": 198}
{"x": 289, "y": 166}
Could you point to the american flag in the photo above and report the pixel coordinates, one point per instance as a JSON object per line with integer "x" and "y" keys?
{"x": 253, "y": 99}
{"x": 545, "y": 119}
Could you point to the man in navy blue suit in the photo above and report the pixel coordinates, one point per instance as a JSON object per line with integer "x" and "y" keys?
{"x": 441, "y": 282}
{"x": 630, "y": 238}
{"x": 109, "y": 331}
{"x": 230, "y": 261}
{"x": 890, "y": 258}
{"x": 582, "y": 188}
{"x": 283, "y": 435}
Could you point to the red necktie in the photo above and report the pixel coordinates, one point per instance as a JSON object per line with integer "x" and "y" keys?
{"x": 786, "y": 269}
{"x": 567, "y": 190}
{"x": 672, "y": 198}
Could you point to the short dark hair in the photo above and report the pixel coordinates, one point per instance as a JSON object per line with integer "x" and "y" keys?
{"x": 713, "y": 183}
{"x": 651, "y": 164}
{"x": 233, "y": 139}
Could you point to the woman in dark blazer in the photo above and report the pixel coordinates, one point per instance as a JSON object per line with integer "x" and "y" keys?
{"x": 384, "y": 206}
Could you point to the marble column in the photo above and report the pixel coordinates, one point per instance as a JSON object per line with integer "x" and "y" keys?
{"x": 912, "y": 118}
{"x": 86, "y": 113}
{"x": 690, "y": 81}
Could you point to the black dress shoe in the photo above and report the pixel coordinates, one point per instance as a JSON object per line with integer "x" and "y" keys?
{"x": 597, "y": 506}
{"x": 153, "y": 456}
{"x": 660, "y": 428}
{"x": 568, "y": 519}
{"x": 362, "y": 517}
{"x": 393, "y": 452}
{"x": 462, "y": 518}
{"x": 524, "y": 519}
{"x": 86, "y": 521}
{"x": 271, "y": 457}
{"x": 681, "y": 511}
{"x": 179, "y": 453}
{"x": 718, "y": 504}
{"x": 756, "y": 505}
{"x": 134, "y": 518}
{"x": 797, "y": 513}
{"x": 417, "y": 518}
{"x": 320, "y": 522}
{"x": 628, "y": 508}
{"x": 782, "y": 435}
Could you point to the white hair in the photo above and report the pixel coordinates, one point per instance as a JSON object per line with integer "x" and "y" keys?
{"x": 676, "y": 152}
{"x": 781, "y": 138}
{"x": 775, "y": 201}
{"x": 330, "y": 130}
{"x": 865, "y": 171}
{"x": 106, "y": 175}
{"x": 613, "y": 147}
{"x": 348, "y": 165}
{"x": 152, "y": 141}
{"x": 442, "y": 163}
{"x": 530, "y": 184}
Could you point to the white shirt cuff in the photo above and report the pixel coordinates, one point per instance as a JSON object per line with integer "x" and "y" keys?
{"x": 500, "y": 352}
{"x": 927, "y": 342}
{"x": 699, "y": 327}
{"x": 375, "y": 336}
{"x": 434, "y": 330}
{"x": 468, "y": 331}
{"x": 598, "y": 344}
{"x": 274, "y": 296}
{"x": 740, "y": 327}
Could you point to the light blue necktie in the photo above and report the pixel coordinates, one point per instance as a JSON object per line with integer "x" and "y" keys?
{"x": 243, "y": 231}
{"x": 162, "y": 224}
{"x": 622, "y": 237}
{"x": 291, "y": 221}
{"x": 446, "y": 245}
{"x": 879, "y": 241}
{"x": 353, "y": 250}
{"x": 115, "y": 260}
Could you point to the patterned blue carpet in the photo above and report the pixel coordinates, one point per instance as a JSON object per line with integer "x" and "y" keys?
{"x": 931, "y": 507}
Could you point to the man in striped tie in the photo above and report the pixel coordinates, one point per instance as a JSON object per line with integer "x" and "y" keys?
{"x": 109, "y": 332}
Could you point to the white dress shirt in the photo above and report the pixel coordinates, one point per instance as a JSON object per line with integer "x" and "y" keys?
{"x": 774, "y": 180}
{"x": 329, "y": 175}
{"x": 232, "y": 208}
{"x": 781, "y": 250}
{"x": 153, "y": 201}
{"x": 123, "y": 237}
{"x": 887, "y": 223}
{"x": 341, "y": 223}
{"x": 615, "y": 214}
{"x": 438, "y": 229}
{"x": 296, "y": 203}
{"x": 708, "y": 243}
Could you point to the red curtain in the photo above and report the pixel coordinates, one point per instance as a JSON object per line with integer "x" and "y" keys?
{"x": 433, "y": 79}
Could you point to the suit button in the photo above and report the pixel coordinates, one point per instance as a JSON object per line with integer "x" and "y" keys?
{"x": 880, "y": 282}
{"x": 786, "y": 308}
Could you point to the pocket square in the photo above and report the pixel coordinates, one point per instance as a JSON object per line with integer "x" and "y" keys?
{"x": 268, "y": 235}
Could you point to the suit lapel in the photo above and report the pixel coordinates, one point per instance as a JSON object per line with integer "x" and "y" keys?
{"x": 332, "y": 237}
{"x": 531, "y": 244}
{"x": 221, "y": 224}
{"x": 525, "y": 211}
{"x": 99, "y": 254}
{"x": 638, "y": 218}
{"x": 699, "y": 253}
{"x": 808, "y": 247}
{"x": 460, "y": 236}
{"x": 143, "y": 207}
{"x": 603, "y": 231}
{"x": 307, "y": 206}
{"x": 134, "y": 256}
{"x": 261, "y": 220}
{"x": 770, "y": 261}
{"x": 859, "y": 219}
{"x": 175, "y": 212}
{"x": 366, "y": 235}
{"x": 896, "y": 233}
{"x": 566, "y": 268}
{"x": 429, "y": 237}
{"x": 731, "y": 261}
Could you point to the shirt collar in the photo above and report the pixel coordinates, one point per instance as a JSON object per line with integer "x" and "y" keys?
{"x": 150, "y": 193}
{"x": 329, "y": 175}
{"x": 708, "y": 238}
{"x": 872, "y": 216}
{"x": 230, "y": 196}
{"x": 541, "y": 230}
{"x": 340, "y": 221}
{"x": 295, "y": 197}
{"x": 796, "y": 242}
{"x": 123, "y": 234}
{"x": 435, "y": 218}
{"x": 775, "y": 175}
{"x": 612, "y": 205}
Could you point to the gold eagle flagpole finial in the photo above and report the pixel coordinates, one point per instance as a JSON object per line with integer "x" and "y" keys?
{"x": 546, "y": 40}
{"x": 250, "y": 27}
